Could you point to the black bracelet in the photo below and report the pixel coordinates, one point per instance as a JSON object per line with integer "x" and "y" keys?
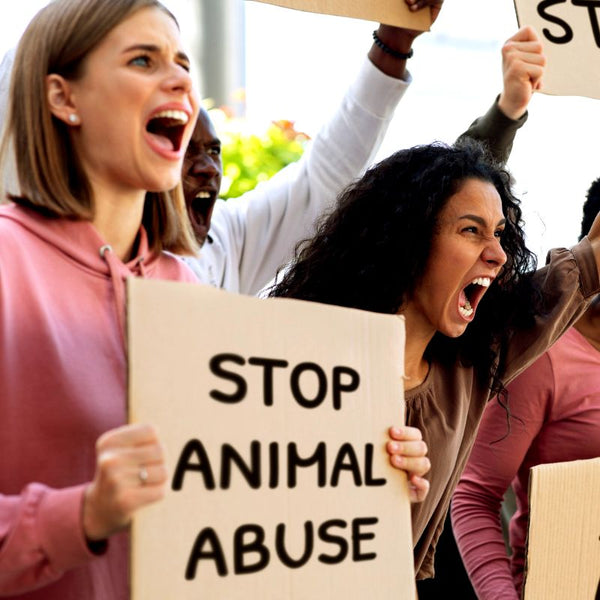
{"x": 391, "y": 51}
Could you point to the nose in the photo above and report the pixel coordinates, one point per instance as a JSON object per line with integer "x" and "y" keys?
{"x": 494, "y": 253}
{"x": 203, "y": 165}
{"x": 178, "y": 79}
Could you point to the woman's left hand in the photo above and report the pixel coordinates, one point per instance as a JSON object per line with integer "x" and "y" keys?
{"x": 408, "y": 452}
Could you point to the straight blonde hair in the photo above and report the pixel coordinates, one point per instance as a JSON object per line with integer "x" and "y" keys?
{"x": 50, "y": 175}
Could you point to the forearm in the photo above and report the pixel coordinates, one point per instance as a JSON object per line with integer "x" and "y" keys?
{"x": 496, "y": 131}
{"x": 398, "y": 41}
{"x": 282, "y": 211}
{"x": 479, "y": 537}
{"x": 41, "y": 537}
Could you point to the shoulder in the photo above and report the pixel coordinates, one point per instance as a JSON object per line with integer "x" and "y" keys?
{"x": 171, "y": 267}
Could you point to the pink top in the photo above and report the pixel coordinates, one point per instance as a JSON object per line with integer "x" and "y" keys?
{"x": 62, "y": 383}
{"x": 555, "y": 407}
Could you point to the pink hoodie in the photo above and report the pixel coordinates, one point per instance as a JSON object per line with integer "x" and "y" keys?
{"x": 62, "y": 384}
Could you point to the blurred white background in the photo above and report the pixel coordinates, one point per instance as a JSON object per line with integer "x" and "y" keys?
{"x": 299, "y": 64}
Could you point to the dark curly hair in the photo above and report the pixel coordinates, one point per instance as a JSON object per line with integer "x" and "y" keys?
{"x": 591, "y": 207}
{"x": 372, "y": 250}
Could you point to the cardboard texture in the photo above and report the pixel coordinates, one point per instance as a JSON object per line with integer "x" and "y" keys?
{"x": 563, "y": 547}
{"x": 222, "y": 375}
{"x": 390, "y": 12}
{"x": 571, "y": 38}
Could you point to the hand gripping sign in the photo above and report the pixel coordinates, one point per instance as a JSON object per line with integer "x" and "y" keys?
{"x": 570, "y": 32}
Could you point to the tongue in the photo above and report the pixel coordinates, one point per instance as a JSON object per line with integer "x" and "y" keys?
{"x": 163, "y": 141}
{"x": 462, "y": 299}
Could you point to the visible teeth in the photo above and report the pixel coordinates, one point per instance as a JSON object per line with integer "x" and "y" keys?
{"x": 176, "y": 115}
{"x": 203, "y": 195}
{"x": 466, "y": 310}
{"x": 482, "y": 281}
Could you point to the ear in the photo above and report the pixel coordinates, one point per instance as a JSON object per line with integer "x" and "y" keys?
{"x": 60, "y": 98}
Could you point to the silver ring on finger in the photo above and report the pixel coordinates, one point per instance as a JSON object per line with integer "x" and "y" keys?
{"x": 143, "y": 475}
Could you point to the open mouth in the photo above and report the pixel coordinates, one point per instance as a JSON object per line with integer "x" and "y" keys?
{"x": 471, "y": 295}
{"x": 167, "y": 127}
{"x": 200, "y": 212}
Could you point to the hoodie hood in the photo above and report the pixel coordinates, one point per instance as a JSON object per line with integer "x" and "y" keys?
{"x": 80, "y": 242}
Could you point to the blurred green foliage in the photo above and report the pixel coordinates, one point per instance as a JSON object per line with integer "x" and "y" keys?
{"x": 250, "y": 156}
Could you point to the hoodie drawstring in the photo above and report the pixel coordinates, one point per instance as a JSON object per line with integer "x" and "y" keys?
{"x": 106, "y": 252}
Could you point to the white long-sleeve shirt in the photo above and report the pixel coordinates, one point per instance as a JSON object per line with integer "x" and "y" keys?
{"x": 255, "y": 234}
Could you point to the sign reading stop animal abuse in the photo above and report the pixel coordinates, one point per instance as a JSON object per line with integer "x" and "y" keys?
{"x": 274, "y": 414}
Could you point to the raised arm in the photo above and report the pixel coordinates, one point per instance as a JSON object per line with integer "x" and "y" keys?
{"x": 254, "y": 235}
{"x": 523, "y": 63}
{"x": 392, "y": 46}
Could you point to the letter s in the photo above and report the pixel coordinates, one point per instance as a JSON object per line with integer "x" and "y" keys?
{"x": 217, "y": 369}
{"x": 568, "y": 35}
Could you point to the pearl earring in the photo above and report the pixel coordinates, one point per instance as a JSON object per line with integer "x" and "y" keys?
{"x": 73, "y": 118}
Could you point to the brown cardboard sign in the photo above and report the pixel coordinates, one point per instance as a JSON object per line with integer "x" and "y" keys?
{"x": 390, "y": 12}
{"x": 274, "y": 414}
{"x": 570, "y": 32}
{"x": 563, "y": 543}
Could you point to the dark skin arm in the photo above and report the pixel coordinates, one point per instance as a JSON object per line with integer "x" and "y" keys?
{"x": 399, "y": 39}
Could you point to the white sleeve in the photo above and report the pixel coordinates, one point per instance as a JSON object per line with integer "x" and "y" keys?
{"x": 255, "y": 234}
{"x": 8, "y": 171}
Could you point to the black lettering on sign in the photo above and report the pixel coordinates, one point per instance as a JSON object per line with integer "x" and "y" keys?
{"x": 592, "y": 6}
{"x": 338, "y": 387}
{"x": 282, "y": 553}
{"x": 346, "y": 461}
{"x": 193, "y": 449}
{"x": 206, "y": 536}
{"x": 297, "y": 391}
{"x": 326, "y": 536}
{"x": 268, "y": 364}
{"x": 251, "y": 554}
{"x": 319, "y": 457}
{"x": 567, "y": 35}
{"x": 251, "y": 472}
{"x": 216, "y": 368}
{"x": 256, "y": 545}
{"x": 358, "y": 536}
{"x": 343, "y": 380}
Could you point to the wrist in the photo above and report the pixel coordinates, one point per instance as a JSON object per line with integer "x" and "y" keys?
{"x": 402, "y": 55}
{"x": 395, "y": 38}
{"x": 514, "y": 111}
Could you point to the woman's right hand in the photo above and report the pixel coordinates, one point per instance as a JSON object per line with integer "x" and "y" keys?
{"x": 130, "y": 473}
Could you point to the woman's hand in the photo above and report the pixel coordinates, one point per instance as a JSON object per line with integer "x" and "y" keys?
{"x": 523, "y": 63}
{"x": 408, "y": 452}
{"x": 130, "y": 473}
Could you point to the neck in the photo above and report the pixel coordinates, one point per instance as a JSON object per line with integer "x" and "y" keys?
{"x": 118, "y": 217}
{"x": 416, "y": 366}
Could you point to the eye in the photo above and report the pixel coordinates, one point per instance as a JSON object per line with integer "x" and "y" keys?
{"x": 215, "y": 151}
{"x": 185, "y": 66}
{"x": 470, "y": 229}
{"x": 499, "y": 233}
{"x": 143, "y": 60}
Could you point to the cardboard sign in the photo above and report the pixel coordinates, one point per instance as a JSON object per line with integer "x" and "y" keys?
{"x": 570, "y": 32}
{"x": 563, "y": 547}
{"x": 275, "y": 416}
{"x": 390, "y": 12}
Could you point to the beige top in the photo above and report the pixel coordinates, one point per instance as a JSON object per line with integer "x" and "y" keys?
{"x": 448, "y": 405}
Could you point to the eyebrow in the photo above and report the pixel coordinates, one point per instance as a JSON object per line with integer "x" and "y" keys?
{"x": 154, "y": 48}
{"x": 480, "y": 221}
